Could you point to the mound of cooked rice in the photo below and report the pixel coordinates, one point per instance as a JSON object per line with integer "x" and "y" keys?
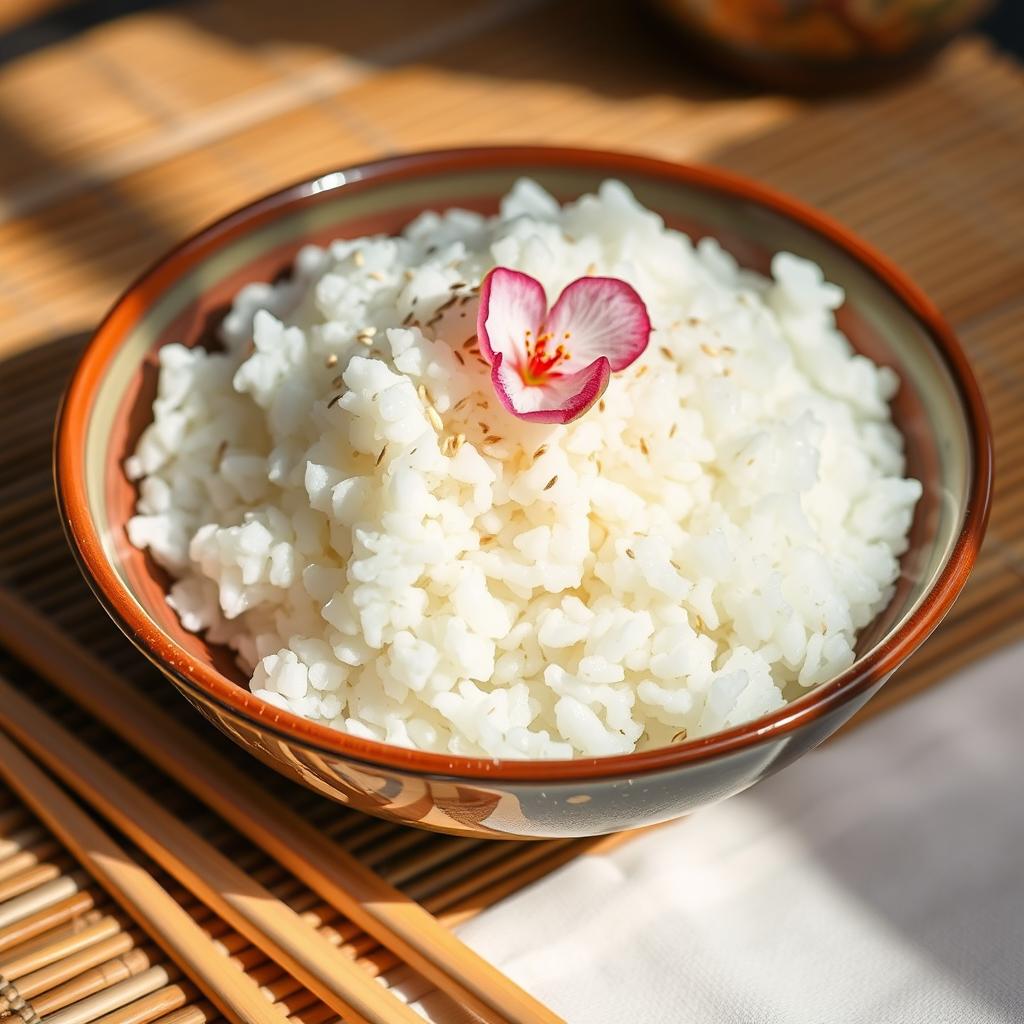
{"x": 342, "y": 499}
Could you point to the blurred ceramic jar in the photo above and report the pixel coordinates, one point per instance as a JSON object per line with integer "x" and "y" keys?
{"x": 821, "y": 44}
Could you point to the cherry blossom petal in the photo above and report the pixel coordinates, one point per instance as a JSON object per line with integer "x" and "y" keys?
{"x": 600, "y": 316}
{"x": 511, "y": 304}
{"x": 560, "y": 399}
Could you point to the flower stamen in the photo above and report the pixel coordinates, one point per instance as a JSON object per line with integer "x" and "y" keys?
{"x": 540, "y": 364}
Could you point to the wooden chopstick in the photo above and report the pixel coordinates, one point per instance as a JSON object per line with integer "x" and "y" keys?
{"x": 248, "y": 907}
{"x": 136, "y": 890}
{"x": 392, "y": 918}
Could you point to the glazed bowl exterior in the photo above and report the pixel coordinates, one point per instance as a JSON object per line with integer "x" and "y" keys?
{"x": 184, "y": 296}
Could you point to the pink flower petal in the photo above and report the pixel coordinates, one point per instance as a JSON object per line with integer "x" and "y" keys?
{"x": 560, "y": 399}
{"x": 511, "y": 304}
{"x": 600, "y": 316}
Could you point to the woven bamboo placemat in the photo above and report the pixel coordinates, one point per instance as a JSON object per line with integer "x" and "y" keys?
{"x": 123, "y": 139}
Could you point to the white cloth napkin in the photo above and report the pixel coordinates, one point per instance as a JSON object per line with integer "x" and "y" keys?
{"x": 880, "y": 880}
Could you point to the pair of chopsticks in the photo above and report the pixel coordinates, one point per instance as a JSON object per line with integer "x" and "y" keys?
{"x": 237, "y": 997}
{"x": 394, "y": 920}
{"x": 253, "y": 911}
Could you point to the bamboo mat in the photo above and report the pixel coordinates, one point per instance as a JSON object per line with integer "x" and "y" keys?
{"x": 119, "y": 141}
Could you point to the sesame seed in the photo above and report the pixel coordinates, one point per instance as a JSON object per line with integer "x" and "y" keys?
{"x": 675, "y": 565}
{"x": 672, "y": 430}
{"x": 447, "y": 304}
{"x": 459, "y": 356}
{"x": 592, "y": 269}
{"x": 693, "y": 321}
{"x": 679, "y": 736}
{"x": 729, "y": 350}
{"x": 409, "y": 273}
{"x": 540, "y": 451}
{"x": 630, "y": 553}
{"x": 332, "y": 360}
{"x": 601, "y": 406}
{"x": 483, "y": 426}
{"x": 424, "y": 394}
{"x": 492, "y": 439}
{"x": 709, "y": 351}
{"x": 462, "y": 402}
{"x": 643, "y": 447}
{"x": 551, "y": 483}
{"x": 666, "y": 351}
{"x": 408, "y": 319}
{"x": 435, "y": 419}
{"x": 457, "y": 285}
{"x": 358, "y": 258}
{"x": 375, "y": 275}
{"x": 465, "y": 299}
{"x": 338, "y": 381}
{"x": 336, "y": 398}
{"x": 643, "y": 369}
{"x": 381, "y": 455}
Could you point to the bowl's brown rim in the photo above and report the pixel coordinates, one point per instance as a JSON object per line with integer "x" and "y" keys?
{"x": 206, "y": 683}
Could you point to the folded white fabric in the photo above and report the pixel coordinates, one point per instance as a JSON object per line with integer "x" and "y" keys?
{"x": 878, "y": 881}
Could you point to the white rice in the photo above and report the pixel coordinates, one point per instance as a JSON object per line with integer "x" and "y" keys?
{"x": 694, "y": 551}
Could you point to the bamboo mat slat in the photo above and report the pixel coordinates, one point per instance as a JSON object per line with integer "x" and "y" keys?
{"x": 184, "y": 111}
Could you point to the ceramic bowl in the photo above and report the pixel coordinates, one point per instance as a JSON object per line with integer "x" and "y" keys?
{"x": 814, "y": 45}
{"x": 183, "y": 297}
